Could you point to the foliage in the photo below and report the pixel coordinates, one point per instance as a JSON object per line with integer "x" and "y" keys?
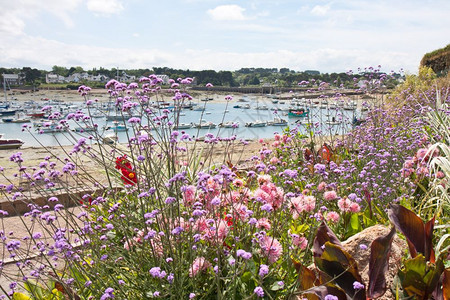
{"x": 171, "y": 220}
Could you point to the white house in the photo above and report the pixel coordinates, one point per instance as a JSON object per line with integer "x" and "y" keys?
{"x": 54, "y": 78}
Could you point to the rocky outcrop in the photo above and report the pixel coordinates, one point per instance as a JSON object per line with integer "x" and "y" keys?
{"x": 355, "y": 246}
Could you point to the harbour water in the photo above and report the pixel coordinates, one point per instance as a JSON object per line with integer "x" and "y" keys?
{"x": 325, "y": 121}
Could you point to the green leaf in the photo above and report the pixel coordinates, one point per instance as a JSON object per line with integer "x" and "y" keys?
{"x": 276, "y": 286}
{"x": 34, "y": 289}
{"x": 411, "y": 277}
{"x": 247, "y": 276}
{"x": 354, "y": 225}
{"x": 20, "y": 296}
{"x": 419, "y": 278}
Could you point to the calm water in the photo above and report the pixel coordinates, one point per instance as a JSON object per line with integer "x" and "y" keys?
{"x": 214, "y": 112}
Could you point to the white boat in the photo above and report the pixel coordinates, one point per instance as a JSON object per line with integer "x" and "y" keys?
{"x": 84, "y": 129}
{"x": 229, "y": 124}
{"x": 205, "y": 125}
{"x": 110, "y": 139}
{"x": 10, "y": 143}
{"x": 261, "y": 107}
{"x": 182, "y": 126}
{"x": 257, "y": 123}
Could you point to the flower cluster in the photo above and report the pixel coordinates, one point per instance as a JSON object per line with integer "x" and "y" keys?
{"x": 124, "y": 166}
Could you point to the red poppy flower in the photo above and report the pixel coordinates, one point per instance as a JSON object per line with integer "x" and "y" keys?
{"x": 125, "y": 167}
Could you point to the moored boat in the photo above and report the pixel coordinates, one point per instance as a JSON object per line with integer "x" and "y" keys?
{"x": 299, "y": 112}
{"x": 278, "y": 122}
{"x": 182, "y": 126}
{"x": 205, "y": 125}
{"x": 10, "y": 143}
{"x": 257, "y": 123}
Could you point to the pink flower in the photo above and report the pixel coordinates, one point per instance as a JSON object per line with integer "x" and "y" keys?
{"x": 421, "y": 153}
{"x": 330, "y": 195}
{"x": 302, "y": 204}
{"x": 189, "y": 194}
{"x": 322, "y": 186}
{"x": 344, "y": 204}
{"x": 238, "y": 182}
{"x": 332, "y": 216}
{"x": 299, "y": 241}
{"x": 264, "y": 179}
{"x": 271, "y": 248}
{"x": 354, "y": 207}
{"x": 276, "y": 144}
{"x": 218, "y": 232}
{"x": 200, "y": 264}
{"x": 270, "y": 194}
{"x": 263, "y": 223}
{"x": 239, "y": 211}
{"x": 274, "y": 160}
{"x": 277, "y": 137}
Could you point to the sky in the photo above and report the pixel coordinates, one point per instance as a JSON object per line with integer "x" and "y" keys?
{"x": 329, "y": 36}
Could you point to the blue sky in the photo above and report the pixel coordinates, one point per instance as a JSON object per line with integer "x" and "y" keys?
{"x": 329, "y": 36}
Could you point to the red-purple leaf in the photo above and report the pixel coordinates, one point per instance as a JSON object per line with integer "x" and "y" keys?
{"x": 429, "y": 252}
{"x": 343, "y": 269}
{"x": 329, "y": 289}
{"x": 378, "y": 264}
{"x": 409, "y": 224}
{"x": 446, "y": 285}
{"x": 307, "y": 279}
{"x": 324, "y": 234}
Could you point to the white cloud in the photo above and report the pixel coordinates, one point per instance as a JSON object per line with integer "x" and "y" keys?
{"x": 320, "y": 10}
{"x": 104, "y": 7}
{"x": 15, "y": 15}
{"x": 230, "y": 12}
{"x": 136, "y": 35}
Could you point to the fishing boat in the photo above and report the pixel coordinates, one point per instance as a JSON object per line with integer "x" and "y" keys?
{"x": 16, "y": 120}
{"x": 7, "y": 112}
{"x": 36, "y": 114}
{"x": 257, "y": 123}
{"x": 299, "y": 112}
{"x": 10, "y": 143}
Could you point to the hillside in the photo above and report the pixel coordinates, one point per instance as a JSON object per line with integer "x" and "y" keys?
{"x": 438, "y": 60}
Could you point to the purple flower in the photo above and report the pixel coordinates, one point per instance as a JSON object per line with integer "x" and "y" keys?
{"x": 108, "y": 294}
{"x": 191, "y": 296}
{"x": 259, "y": 291}
{"x": 134, "y": 120}
{"x": 263, "y": 270}
{"x": 357, "y": 285}
{"x": 331, "y": 297}
{"x": 155, "y": 272}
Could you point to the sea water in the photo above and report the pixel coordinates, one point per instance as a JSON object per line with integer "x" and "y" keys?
{"x": 213, "y": 112}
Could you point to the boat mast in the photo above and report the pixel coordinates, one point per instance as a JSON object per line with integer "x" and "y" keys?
{"x": 4, "y": 87}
